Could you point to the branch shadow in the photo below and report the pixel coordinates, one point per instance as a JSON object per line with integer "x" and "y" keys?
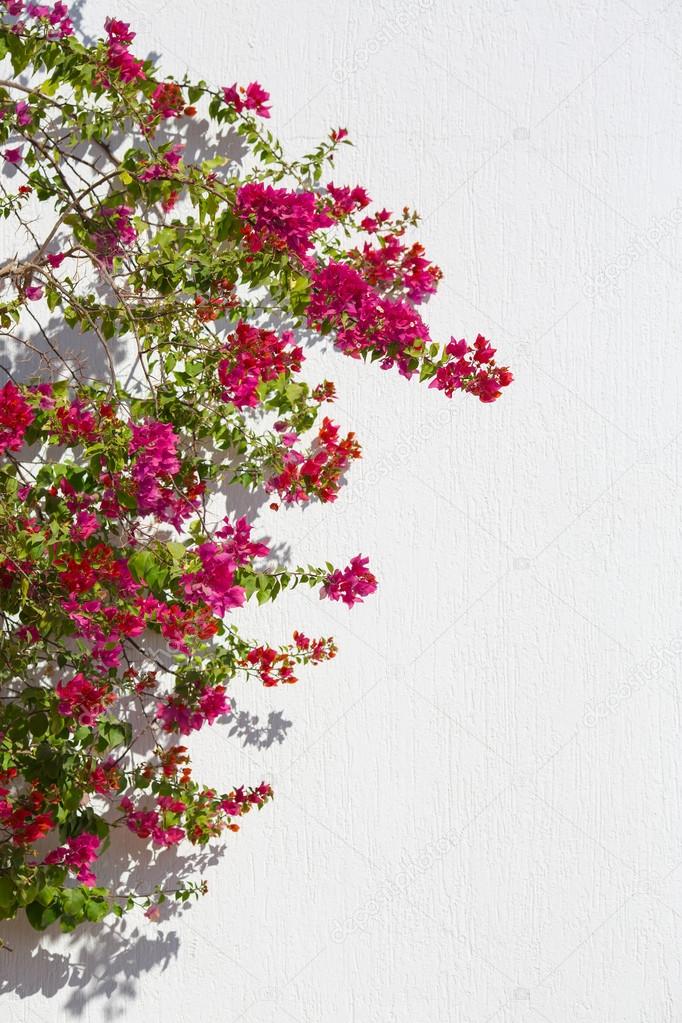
{"x": 249, "y": 729}
{"x": 102, "y": 966}
{"x": 106, "y": 962}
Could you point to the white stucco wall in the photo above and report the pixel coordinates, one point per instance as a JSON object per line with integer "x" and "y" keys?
{"x": 478, "y": 811}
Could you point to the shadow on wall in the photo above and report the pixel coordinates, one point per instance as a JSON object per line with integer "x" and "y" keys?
{"x": 252, "y": 732}
{"x": 76, "y": 15}
{"x": 106, "y": 962}
{"x": 106, "y": 966}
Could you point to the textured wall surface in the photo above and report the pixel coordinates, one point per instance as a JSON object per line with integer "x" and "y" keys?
{"x": 478, "y": 810}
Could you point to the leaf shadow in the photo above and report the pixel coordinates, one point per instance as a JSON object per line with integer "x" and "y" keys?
{"x": 104, "y": 962}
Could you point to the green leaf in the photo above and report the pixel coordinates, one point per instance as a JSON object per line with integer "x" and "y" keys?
{"x": 8, "y": 891}
{"x": 46, "y": 895}
{"x": 73, "y": 903}
{"x": 40, "y": 916}
{"x": 38, "y": 723}
{"x": 95, "y": 910}
{"x": 176, "y": 550}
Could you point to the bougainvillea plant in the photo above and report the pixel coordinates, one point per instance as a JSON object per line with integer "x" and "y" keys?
{"x": 116, "y": 581}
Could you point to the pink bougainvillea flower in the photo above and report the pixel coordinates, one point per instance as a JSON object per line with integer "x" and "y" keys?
{"x": 278, "y": 216}
{"x": 232, "y": 97}
{"x": 77, "y": 855}
{"x": 213, "y": 583}
{"x": 33, "y": 292}
{"x": 164, "y": 167}
{"x": 120, "y": 59}
{"x": 13, "y": 156}
{"x": 75, "y": 424}
{"x": 213, "y": 703}
{"x": 237, "y": 541}
{"x": 59, "y": 19}
{"x": 148, "y": 824}
{"x": 352, "y": 584}
{"x": 177, "y": 716}
{"x": 115, "y": 234}
{"x": 470, "y": 368}
{"x": 119, "y": 31}
{"x": 84, "y": 526}
{"x": 155, "y": 466}
{"x": 255, "y": 99}
{"x": 347, "y": 200}
{"x": 16, "y": 415}
{"x": 82, "y": 699}
{"x": 167, "y": 100}
{"x": 252, "y": 98}
{"x": 23, "y": 113}
{"x": 255, "y": 355}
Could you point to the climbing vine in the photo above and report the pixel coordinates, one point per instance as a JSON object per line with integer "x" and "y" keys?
{"x": 154, "y": 319}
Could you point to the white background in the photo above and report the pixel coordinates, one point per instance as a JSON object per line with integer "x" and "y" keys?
{"x": 478, "y": 803}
